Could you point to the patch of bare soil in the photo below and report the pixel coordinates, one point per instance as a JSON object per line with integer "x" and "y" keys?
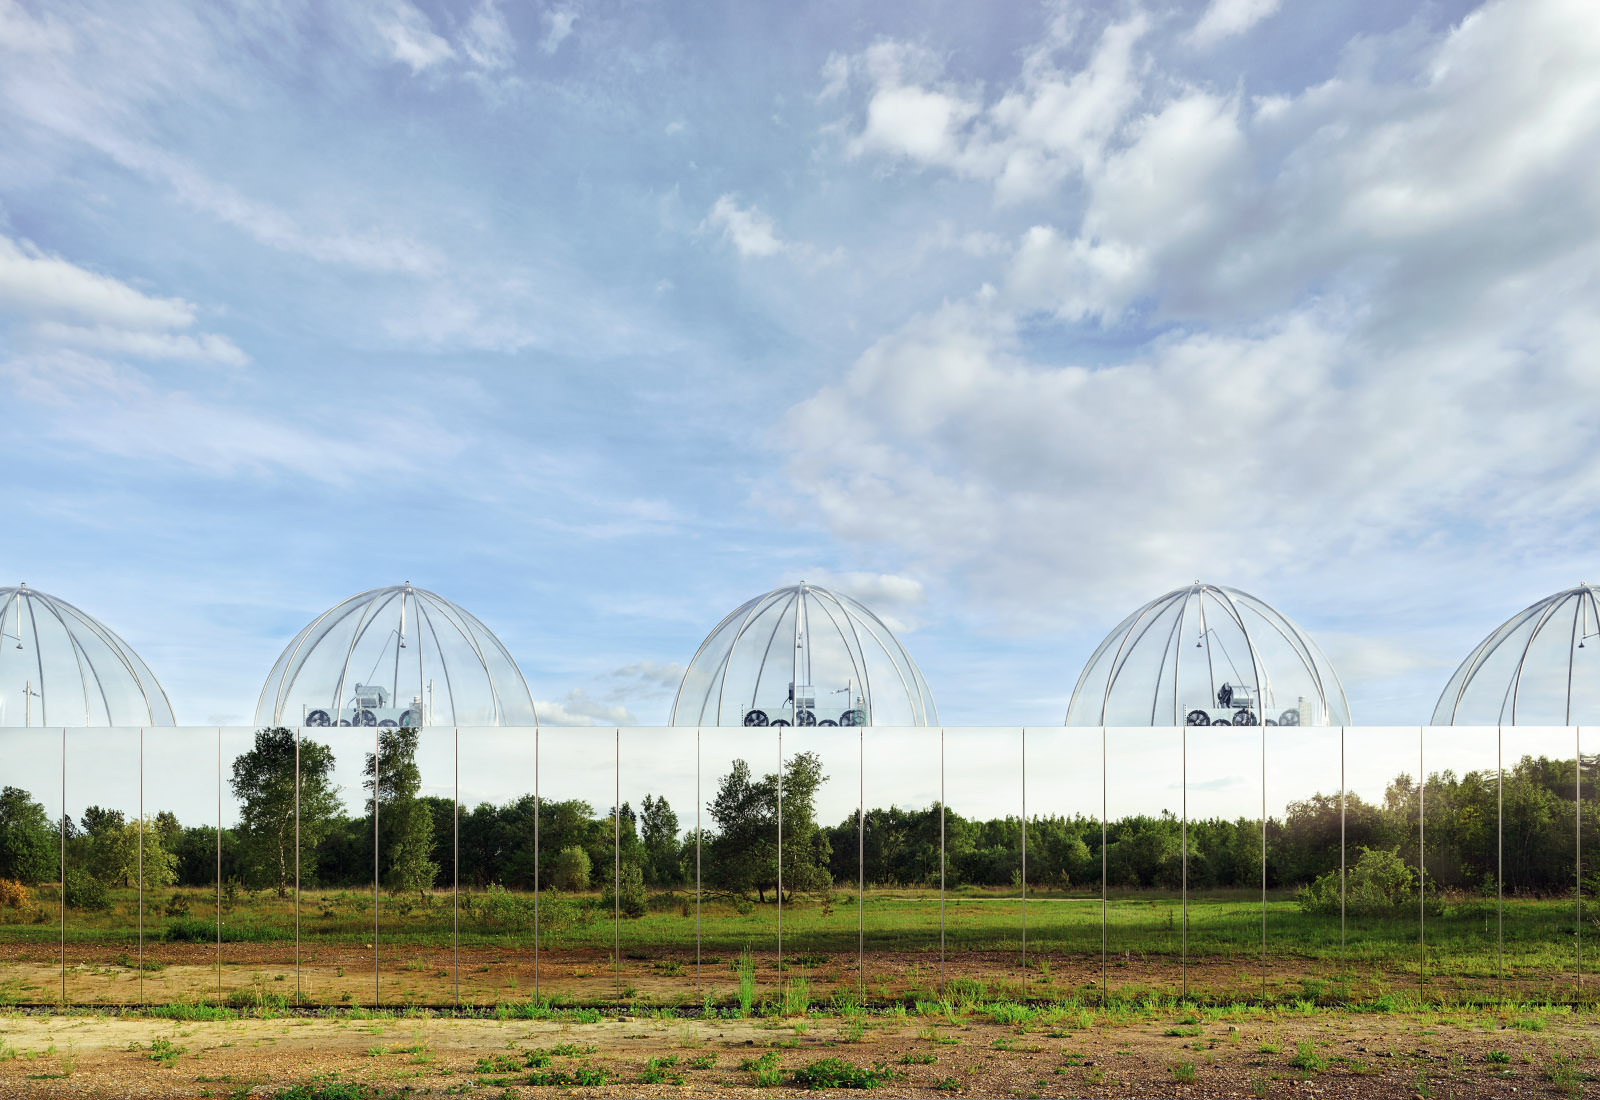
{"x": 1329, "y": 1054}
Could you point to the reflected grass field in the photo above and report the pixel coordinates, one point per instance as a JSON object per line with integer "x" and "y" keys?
{"x": 982, "y": 935}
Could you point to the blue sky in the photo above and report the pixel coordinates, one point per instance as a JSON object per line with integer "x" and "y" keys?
{"x": 600, "y": 318}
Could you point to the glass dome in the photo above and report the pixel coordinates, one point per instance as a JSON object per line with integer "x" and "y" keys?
{"x": 1537, "y": 669}
{"x": 395, "y": 656}
{"x": 60, "y": 667}
{"x": 1207, "y": 655}
{"x": 849, "y": 667}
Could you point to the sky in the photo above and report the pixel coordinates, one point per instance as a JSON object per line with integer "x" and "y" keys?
{"x": 599, "y": 319}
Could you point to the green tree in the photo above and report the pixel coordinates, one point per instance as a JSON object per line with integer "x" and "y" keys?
{"x": 264, "y": 783}
{"x": 29, "y": 841}
{"x": 659, "y": 833}
{"x": 571, "y": 870}
{"x": 405, "y": 824}
{"x": 744, "y": 851}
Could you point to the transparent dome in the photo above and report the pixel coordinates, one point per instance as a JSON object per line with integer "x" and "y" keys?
{"x": 1540, "y": 668}
{"x": 803, "y": 655}
{"x": 60, "y": 667}
{"x": 1207, "y": 655}
{"x": 396, "y": 656}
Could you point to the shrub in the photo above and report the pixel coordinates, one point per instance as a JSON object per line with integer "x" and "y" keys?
{"x": 86, "y": 892}
{"x": 14, "y": 895}
{"x": 571, "y": 869}
{"x": 177, "y": 905}
{"x": 629, "y": 899}
{"x": 1379, "y": 884}
{"x": 500, "y": 908}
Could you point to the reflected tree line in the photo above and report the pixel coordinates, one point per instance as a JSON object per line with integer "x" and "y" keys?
{"x": 582, "y": 848}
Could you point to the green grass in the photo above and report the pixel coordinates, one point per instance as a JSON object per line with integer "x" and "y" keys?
{"x": 836, "y": 1073}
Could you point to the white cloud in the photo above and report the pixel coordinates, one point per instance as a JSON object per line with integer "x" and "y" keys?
{"x": 559, "y": 21}
{"x": 36, "y": 283}
{"x": 1050, "y": 124}
{"x": 898, "y": 600}
{"x": 202, "y": 347}
{"x": 64, "y": 305}
{"x": 409, "y": 36}
{"x": 1226, "y": 18}
{"x": 750, "y": 231}
{"x": 656, "y": 675}
{"x": 486, "y": 39}
{"x": 578, "y": 709}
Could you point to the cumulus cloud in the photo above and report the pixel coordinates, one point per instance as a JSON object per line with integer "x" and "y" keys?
{"x": 578, "y": 709}
{"x": 1344, "y": 322}
{"x": 751, "y": 232}
{"x": 1054, "y": 120}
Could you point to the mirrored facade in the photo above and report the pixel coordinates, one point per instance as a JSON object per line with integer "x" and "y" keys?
{"x": 1207, "y": 655}
{"x": 395, "y": 656}
{"x": 802, "y": 655}
{"x": 1540, "y": 667}
{"x": 61, "y": 667}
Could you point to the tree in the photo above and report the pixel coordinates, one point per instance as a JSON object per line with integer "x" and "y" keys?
{"x": 571, "y": 870}
{"x": 264, "y": 783}
{"x": 105, "y": 850}
{"x": 659, "y": 829}
{"x": 744, "y": 852}
{"x": 405, "y": 824}
{"x": 28, "y": 839}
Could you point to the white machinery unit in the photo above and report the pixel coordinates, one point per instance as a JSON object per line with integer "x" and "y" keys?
{"x": 1237, "y": 705}
{"x": 369, "y": 706}
{"x": 802, "y": 702}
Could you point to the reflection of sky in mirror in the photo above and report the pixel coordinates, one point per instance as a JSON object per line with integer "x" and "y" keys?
{"x": 982, "y": 766}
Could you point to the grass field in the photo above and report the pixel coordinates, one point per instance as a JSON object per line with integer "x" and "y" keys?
{"x": 433, "y": 953}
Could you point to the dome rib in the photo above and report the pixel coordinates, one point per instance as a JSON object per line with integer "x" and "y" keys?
{"x": 74, "y": 659}
{"x": 1546, "y": 682}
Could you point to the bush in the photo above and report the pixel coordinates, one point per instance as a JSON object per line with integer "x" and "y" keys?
{"x": 500, "y": 908}
{"x": 14, "y": 895}
{"x": 571, "y": 870}
{"x": 178, "y": 905}
{"x": 86, "y": 892}
{"x": 1379, "y": 884}
{"x": 629, "y": 899}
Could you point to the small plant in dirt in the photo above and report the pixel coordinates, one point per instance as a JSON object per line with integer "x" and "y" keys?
{"x": 582, "y": 1076}
{"x": 656, "y": 1071}
{"x": 836, "y": 1073}
{"x": 705, "y": 1061}
{"x": 767, "y": 1072}
{"x": 917, "y": 1058}
{"x": 745, "y": 967}
{"x": 161, "y": 1051}
{"x": 1183, "y": 1073}
{"x": 1497, "y": 1057}
{"x": 1306, "y": 1057}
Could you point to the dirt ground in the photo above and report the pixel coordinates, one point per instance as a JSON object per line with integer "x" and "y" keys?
{"x": 425, "y": 975}
{"x": 1211, "y": 1053}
